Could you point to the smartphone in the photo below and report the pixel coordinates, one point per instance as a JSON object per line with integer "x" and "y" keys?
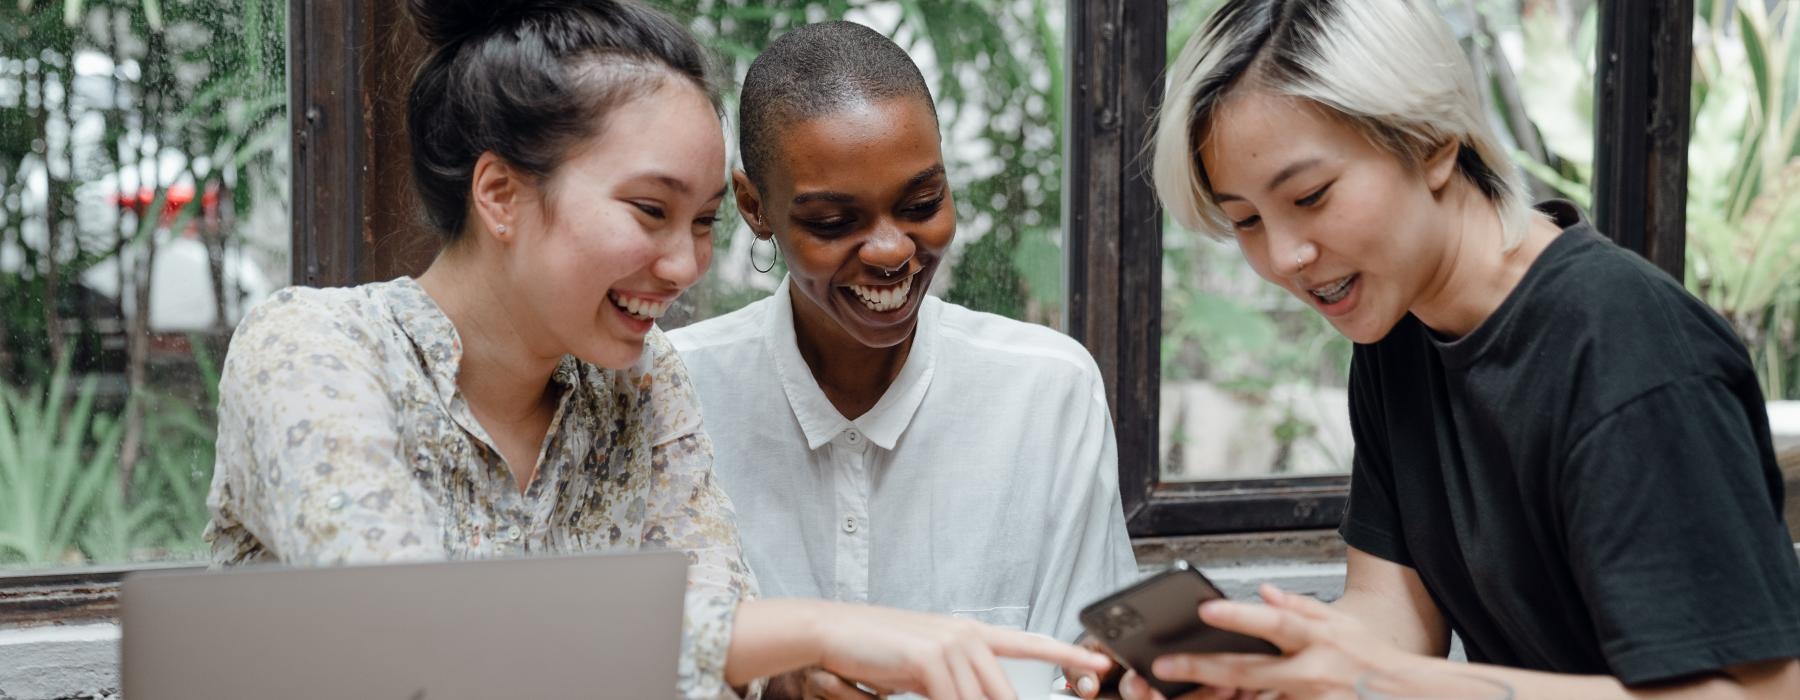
{"x": 1160, "y": 615}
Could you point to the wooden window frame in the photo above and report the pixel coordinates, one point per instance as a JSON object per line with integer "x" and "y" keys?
{"x": 351, "y": 64}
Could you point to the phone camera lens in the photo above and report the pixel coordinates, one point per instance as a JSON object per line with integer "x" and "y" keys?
{"x": 1121, "y": 620}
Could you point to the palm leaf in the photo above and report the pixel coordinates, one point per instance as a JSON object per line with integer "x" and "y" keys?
{"x": 153, "y": 14}
{"x": 1577, "y": 192}
{"x": 1753, "y": 31}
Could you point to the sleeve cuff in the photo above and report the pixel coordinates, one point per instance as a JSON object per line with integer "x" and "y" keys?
{"x": 1666, "y": 662}
{"x": 705, "y": 640}
{"x": 1376, "y": 542}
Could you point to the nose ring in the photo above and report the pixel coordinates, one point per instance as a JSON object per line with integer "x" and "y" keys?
{"x": 890, "y": 273}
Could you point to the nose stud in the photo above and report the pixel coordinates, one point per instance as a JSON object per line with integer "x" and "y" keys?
{"x": 1300, "y": 255}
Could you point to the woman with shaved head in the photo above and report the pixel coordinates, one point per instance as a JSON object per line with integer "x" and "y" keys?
{"x": 883, "y": 445}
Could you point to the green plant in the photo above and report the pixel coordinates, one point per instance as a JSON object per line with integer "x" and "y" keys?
{"x": 60, "y": 501}
{"x": 117, "y": 527}
{"x": 57, "y": 460}
{"x": 178, "y": 469}
{"x": 59, "y": 476}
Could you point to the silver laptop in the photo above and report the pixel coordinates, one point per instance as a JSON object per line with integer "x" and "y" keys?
{"x": 581, "y": 626}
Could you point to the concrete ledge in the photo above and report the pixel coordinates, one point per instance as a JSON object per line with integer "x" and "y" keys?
{"x": 1322, "y": 581}
{"x": 52, "y": 662}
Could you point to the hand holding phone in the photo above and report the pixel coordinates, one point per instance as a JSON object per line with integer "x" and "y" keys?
{"x": 1161, "y": 615}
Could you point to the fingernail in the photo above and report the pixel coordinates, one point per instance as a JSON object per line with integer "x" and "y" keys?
{"x": 1087, "y": 686}
{"x": 1162, "y": 667}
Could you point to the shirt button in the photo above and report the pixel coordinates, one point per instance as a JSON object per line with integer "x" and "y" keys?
{"x": 337, "y": 501}
{"x": 513, "y": 533}
{"x": 850, "y": 524}
{"x": 853, "y": 436}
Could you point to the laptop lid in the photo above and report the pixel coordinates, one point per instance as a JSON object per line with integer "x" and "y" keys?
{"x": 598, "y": 625}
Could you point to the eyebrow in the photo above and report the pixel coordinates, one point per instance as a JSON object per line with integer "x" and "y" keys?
{"x": 1286, "y": 174}
{"x": 837, "y": 197}
{"x": 924, "y": 175}
{"x": 675, "y": 183}
{"x": 843, "y": 198}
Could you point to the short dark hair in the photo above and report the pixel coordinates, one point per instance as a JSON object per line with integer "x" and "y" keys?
{"x": 528, "y": 80}
{"x": 815, "y": 70}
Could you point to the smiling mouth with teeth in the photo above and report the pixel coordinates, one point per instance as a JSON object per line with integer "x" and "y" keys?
{"x": 883, "y": 298}
{"x": 1334, "y": 292}
{"x": 640, "y": 309}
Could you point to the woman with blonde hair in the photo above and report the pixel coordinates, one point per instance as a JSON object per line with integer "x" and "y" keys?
{"x": 1562, "y": 456}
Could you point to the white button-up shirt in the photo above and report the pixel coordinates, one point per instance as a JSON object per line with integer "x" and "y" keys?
{"x": 984, "y": 483}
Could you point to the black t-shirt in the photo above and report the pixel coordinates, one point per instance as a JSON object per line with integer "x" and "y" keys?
{"x": 1585, "y": 483}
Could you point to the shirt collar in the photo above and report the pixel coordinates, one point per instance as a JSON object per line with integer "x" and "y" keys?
{"x": 821, "y": 421}
{"x": 433, "y": 335}
{"x": 435, "y": 339}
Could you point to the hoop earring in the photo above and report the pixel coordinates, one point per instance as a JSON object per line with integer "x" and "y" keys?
{"x": 774, "y": 254}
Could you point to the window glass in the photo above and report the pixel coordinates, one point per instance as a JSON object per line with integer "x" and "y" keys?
{"x": 143, "y": 207}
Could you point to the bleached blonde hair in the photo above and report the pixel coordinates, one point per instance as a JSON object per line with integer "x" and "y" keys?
{"x": 1390, "y": 68}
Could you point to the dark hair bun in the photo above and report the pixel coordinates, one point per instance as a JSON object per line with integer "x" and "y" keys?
{"x": 499, "y": 80}
{"x": 446, "y": 22}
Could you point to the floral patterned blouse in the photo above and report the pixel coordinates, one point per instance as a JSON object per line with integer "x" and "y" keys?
{"x": 343, "y": 439}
